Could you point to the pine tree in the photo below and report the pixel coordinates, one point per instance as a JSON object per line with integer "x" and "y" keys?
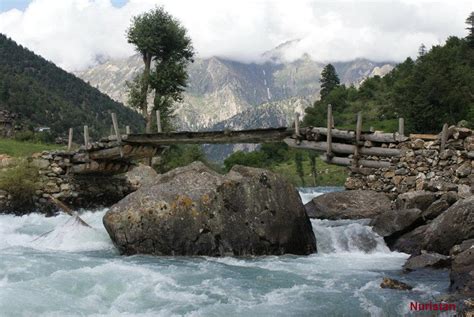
{"x": 422, "y": 50}
{"x": 470, "y": 28}
{"x": 329, "y": 80}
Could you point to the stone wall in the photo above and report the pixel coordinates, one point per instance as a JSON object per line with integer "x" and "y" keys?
{"x": 7, "y": 123}
{"x": 77, "y": 191}
{"x": 421, "y": 166}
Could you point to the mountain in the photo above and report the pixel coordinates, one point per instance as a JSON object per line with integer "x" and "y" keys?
{"x": 273, "y": 114}
{"x": 218, "y": 89}
{"x": 42, "y": 94}
{"x": 226, "y": 94}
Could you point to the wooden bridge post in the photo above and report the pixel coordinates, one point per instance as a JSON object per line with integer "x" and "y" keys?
{"x": 69, "y": 141}
{"x": 158, "y": 121}
{"x": 401, "y": 126}
{"x": 358, "y": 134}
{"x": 329, "y": 136}
{"x": 444, "y": 137}
{"x": 117, "y": 132}
{"x": 127, "y": 129}
{"x": 86, "y": 136}
{"x": 297, "y": 124}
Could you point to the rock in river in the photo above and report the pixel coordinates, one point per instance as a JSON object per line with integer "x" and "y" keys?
{"x": 452, "y": 227}
{"x": 193, "y": 210}
{"x": 462, "y": 270}
{"x": 395, "y": 221}
{"x": 351, "y": 204}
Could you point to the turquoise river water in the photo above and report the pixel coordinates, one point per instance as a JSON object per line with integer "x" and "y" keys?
{"x": 75, "y": 271}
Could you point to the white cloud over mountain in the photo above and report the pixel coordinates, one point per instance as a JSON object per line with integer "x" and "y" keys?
{"x": 73, "y": 33}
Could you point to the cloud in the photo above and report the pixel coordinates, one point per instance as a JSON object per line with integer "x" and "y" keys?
{"x": 74, "y": 33}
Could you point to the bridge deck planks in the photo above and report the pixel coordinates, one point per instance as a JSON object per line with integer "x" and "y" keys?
{"x": 211, "y": 137}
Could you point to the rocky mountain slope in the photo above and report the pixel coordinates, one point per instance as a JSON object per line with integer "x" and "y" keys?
{"x": 220, "y": 89}
{"x": 225, "y": 94}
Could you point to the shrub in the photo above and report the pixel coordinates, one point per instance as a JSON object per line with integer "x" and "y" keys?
{"x": 20, "y": 182}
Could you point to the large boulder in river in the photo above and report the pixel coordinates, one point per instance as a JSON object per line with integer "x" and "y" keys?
{"x": 462, "y": 272}
{"x": 395, "y": 222}
{"x": 351, "y": 204}
{"x": 195, "y": 211}
{"x": 141, "y": 175}
{"x": 452, "y": 227}
{"x": 427, "y": 260}
{"x": 417, "y": 199}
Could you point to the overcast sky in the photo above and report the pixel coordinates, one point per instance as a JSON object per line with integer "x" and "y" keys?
{"x": 72, "y": 33}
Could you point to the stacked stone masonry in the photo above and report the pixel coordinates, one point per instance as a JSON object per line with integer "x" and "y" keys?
{"x": 422, "y": 166}
{"x": 87, "y": 191}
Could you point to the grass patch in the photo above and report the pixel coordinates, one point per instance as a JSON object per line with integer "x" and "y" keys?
{"x": 21, "y": 149}
{"x": 21, "y": 182}
{"x": 327, "y": 174}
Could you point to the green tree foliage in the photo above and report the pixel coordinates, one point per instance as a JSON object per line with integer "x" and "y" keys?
{"x": 312, "y": 155}
{"x": 45, "y": 95}
{"x": 179, "y": 155}
{"x": 436, "y": 88}
{"x": 268, "y": 154}
{"x": 298, "y": 157}
{"x": 329, "y": 80}
{"x": 161, "y": 40}
{"x": 470, "y": 29}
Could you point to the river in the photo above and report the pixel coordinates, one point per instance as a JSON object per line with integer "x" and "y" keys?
{"x": 75, "y": 271}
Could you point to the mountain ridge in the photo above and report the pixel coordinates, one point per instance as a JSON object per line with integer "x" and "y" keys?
{"x": 218, "y": 89}
{"x": 45, "y": 95}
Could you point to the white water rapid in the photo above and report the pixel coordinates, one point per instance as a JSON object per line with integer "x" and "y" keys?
{"x": 75, "y": 271}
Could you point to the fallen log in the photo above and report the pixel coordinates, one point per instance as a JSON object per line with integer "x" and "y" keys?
{"x": 342, "y": 148}
{"x": 365, "y": 136}
{"x": 211, "y": 137}
{"x": 68, "y": 210}
{"x": 345, "y": 161}
{"x": 111, "y": 153}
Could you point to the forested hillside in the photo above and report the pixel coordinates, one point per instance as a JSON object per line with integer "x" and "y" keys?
{"x": 45, "y": 95}
{"x": 435, "y": 88}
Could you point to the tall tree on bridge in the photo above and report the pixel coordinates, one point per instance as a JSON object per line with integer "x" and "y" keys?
{"x": 161, "y": 40}
{"x": 329, "y": 80}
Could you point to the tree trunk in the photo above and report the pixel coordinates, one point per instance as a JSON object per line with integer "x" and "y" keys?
{"x": 144, "y": 95}
{"x": 144, "y": 91}
{"x": 312, "y": 160}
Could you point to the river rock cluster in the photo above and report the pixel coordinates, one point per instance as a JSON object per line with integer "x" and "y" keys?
{"x": 435, "y": 227}
{"x": 193, "y": 210}
{"x": 422, "y": 166}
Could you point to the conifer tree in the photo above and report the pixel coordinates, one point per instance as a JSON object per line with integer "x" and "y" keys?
{"x": 329, "y": 80}
{"x": 470, "y": 28}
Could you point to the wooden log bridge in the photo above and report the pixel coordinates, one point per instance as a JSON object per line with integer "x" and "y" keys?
{"x": 115, "y": 153}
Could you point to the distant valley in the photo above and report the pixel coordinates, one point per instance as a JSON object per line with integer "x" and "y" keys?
{"x": 225, "y": 94}
{"x": 220, "y": 90}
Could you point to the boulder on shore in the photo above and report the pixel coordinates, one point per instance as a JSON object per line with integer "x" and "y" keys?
{"x": 141, "y": 175}
{"x": 462, "y": 269}
{"x": 427, "y": 260}
{"x": 417, "y": 199}
{"x": 452, "y": 227}
{"x": 393, "y": 222}
{"x": 351, "y": 204}
{"x": 193, "y": 210}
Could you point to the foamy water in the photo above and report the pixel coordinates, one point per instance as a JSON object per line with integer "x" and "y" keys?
{"x": 55, "y": 267}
